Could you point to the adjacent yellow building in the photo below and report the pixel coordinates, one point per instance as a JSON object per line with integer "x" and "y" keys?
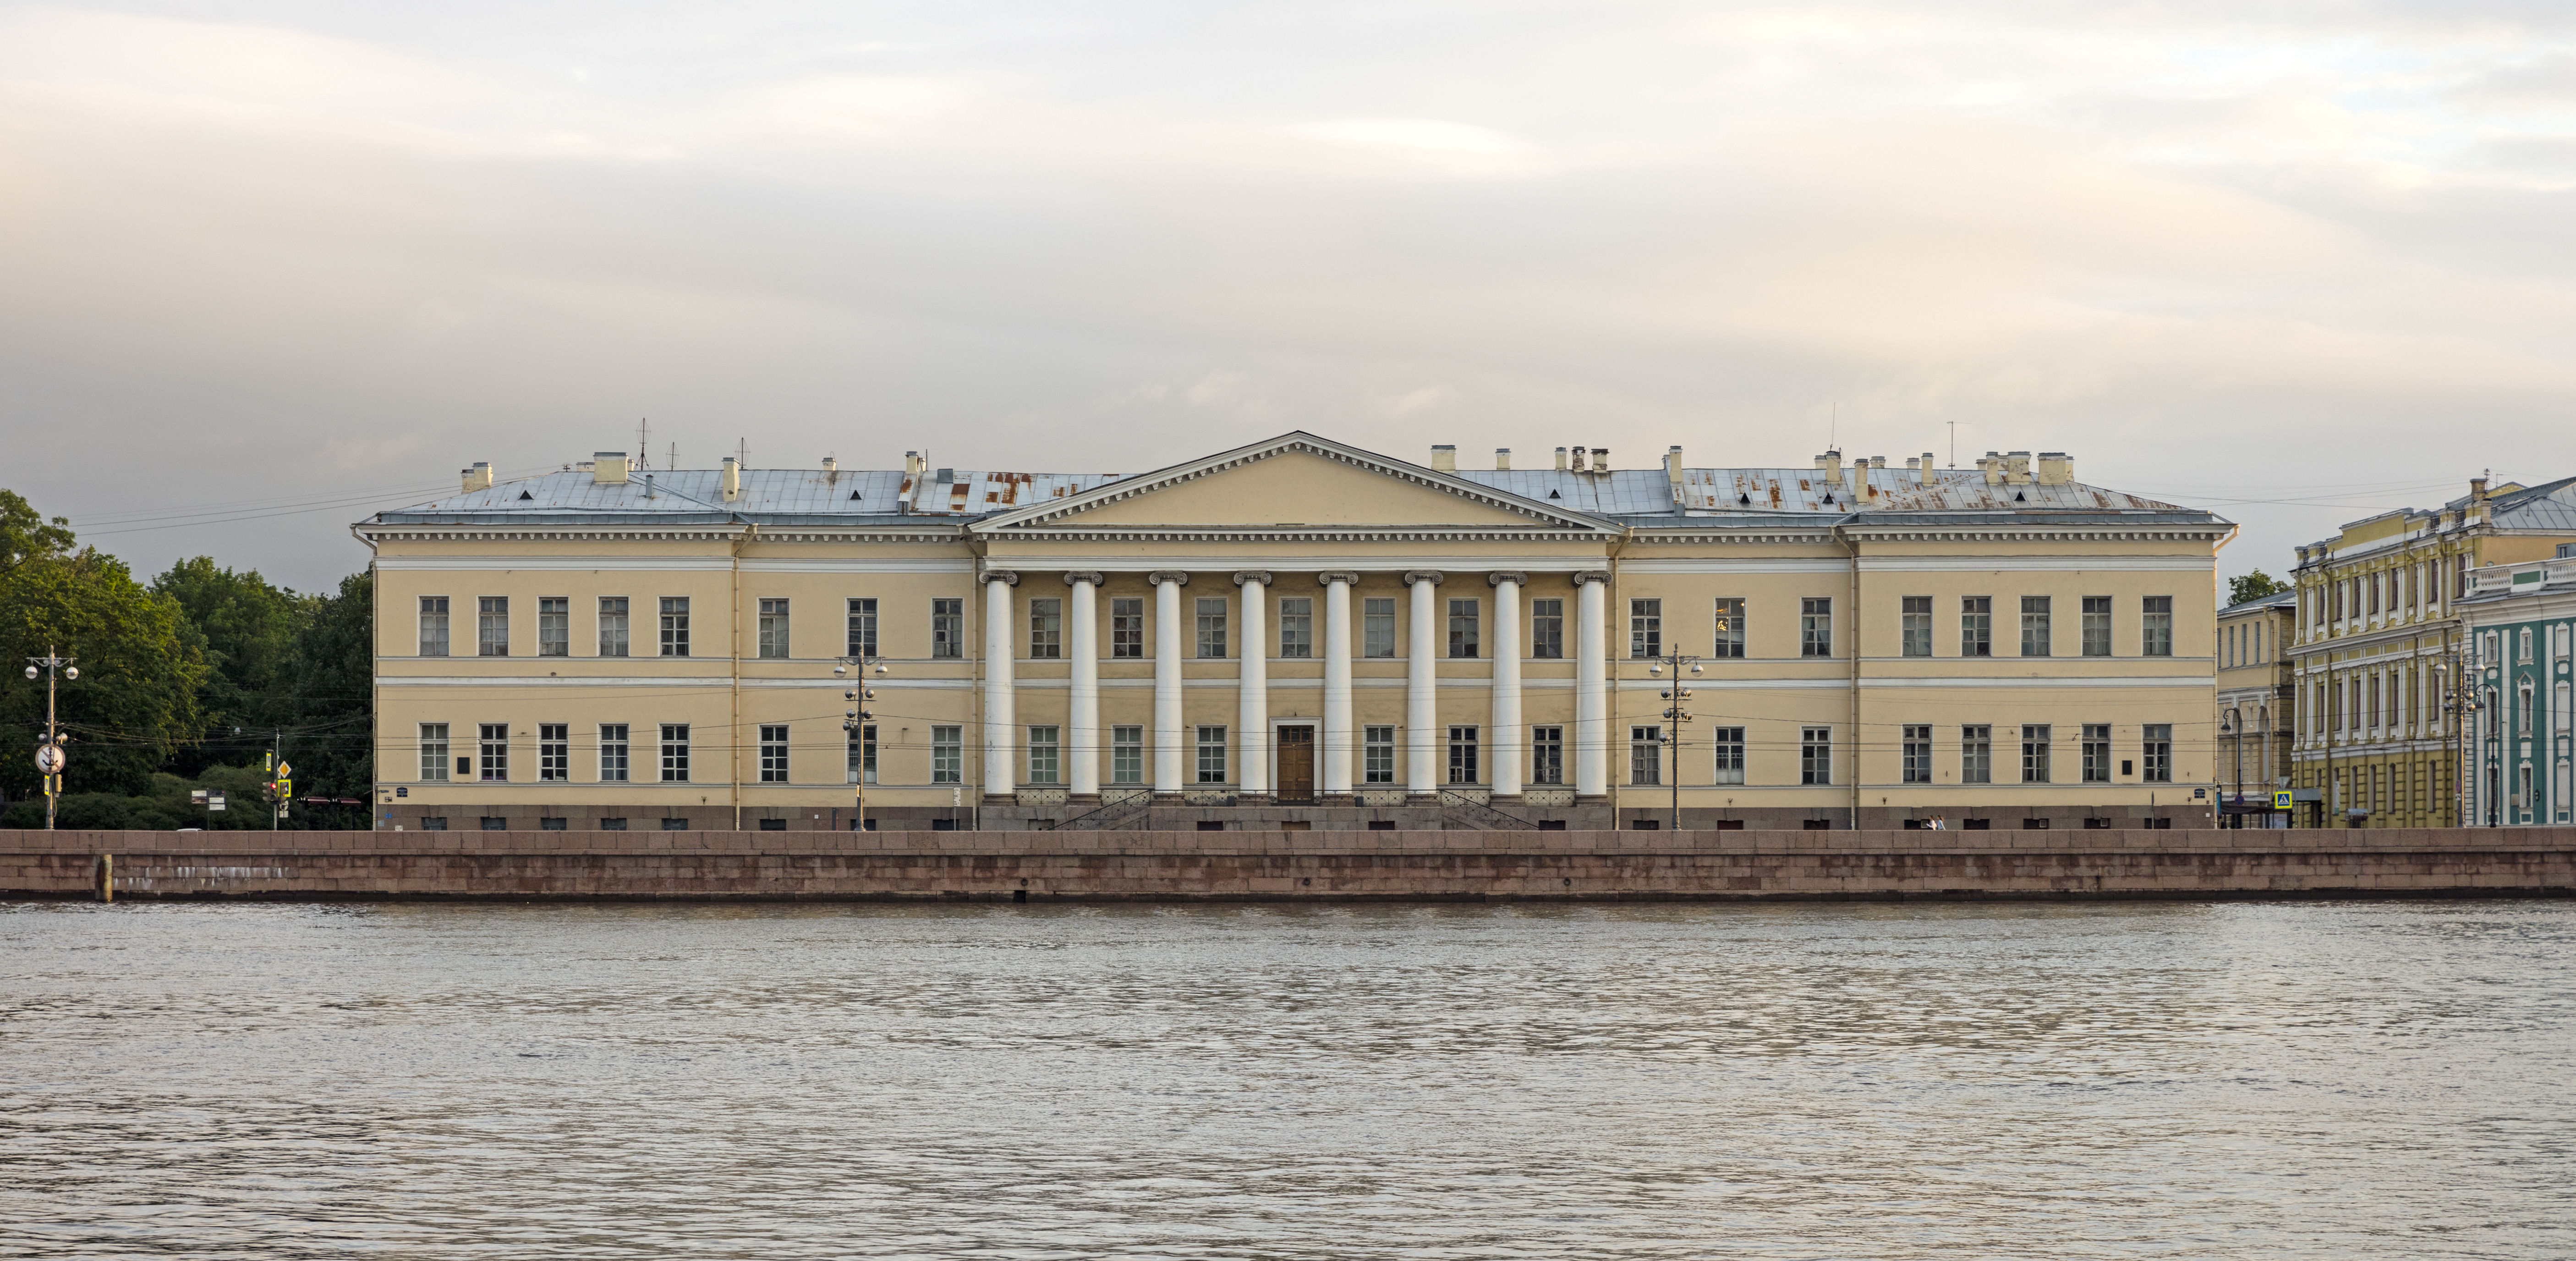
{"x": 2379, "y": 653}
{"x": 1298, "y": 633}
{"x": 2255, "y": 699}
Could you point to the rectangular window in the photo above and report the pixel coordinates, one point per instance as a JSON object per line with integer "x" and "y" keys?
{"x": 2097, "y": 626}
{"x": 675, "y": 626}
{"x": 492, "y": 626}
{"x": 1815, "y": 627}
{"x": 773, "y": 755}
{"x": 1212, "y": 753}
{"x": 1465, "y": 630}
{"x": 1377, "y": 753}
{"x": 773, "y": 629}
{"x": 2035, "y": 640}
{"x": 1914, "y": 622}
{"x": 860, "y": 637}
{"x": 433, "y": 752}
{"x": 1211, "y": 611}
{"x": 612, "y": 626}
{"x": 1127, "y": 755}
{"x": 2097, "y": 753}
{"x": 948, "y": 755}
{"x": 1918, "y": 741}
{"x": 2034, "y": 754}
{"x": 554, "y": 752}
{"x": 1730, "y": 753}
{"x": 1645, "y": 628}
{"x": 612, "y": 752}
{"x": 1976, "y": 754}
{"x": 1127, "y": 628}
{"x": 1645, "y": 755}
{"x": 2157, "y": 627}
{"x": 1815, "y": 755}
{"x": 1297, "y": 626}
{"x": 948, "y": 629}
{"x": 433, "y": 626}
{"x": 2157, "y": 753}
{"x": 1547, "y": 755}
{"x": 1730, "y": 629}
{"x": 1547, "y": 630}
{"x": 1046, "y": 628}
{"x": 675, "y": 753}
{"x": 1377, "y": 626}
{"x": 1464, "y": 768}
{"x": 1044, "y": 754}
{"x": 1976, "y": 626}
{"x": 861, "y": 766}
{"x": 554, "y": 626}
{"x": 495, "y": 749}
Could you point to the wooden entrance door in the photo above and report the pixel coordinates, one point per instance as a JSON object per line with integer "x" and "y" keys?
{"x": 1297, "y": 764}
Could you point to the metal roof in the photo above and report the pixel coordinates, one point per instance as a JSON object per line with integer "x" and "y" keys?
{"x": 2550, "y": 506}
{"x": 1643, "y": 497}
{"x": 2278, "y": 599}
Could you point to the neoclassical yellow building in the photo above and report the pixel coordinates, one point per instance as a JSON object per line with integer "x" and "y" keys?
{"x": 2378, "y": 653}
{"x": 1297, "y": 634}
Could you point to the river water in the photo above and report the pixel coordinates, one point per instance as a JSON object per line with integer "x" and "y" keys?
{"x": 2363, "y": 1079}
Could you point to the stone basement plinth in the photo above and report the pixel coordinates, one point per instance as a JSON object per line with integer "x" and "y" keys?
{"x": 1454, "y": 864}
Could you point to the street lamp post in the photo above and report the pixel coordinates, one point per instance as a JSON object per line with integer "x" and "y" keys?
{"x": 2233, "y": 726}
{"x": 1675, "y": 716}
{"x": 856, "y": 721}
{"x": 49, "y": 755}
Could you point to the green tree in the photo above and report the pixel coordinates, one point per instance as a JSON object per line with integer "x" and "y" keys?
{"x": 331, "y": 738}
{"x": 136, "y": 701}
{"x": 25, "y": 535}
{"x": 2253, "y": 586}
{"x": 247, "y": 632}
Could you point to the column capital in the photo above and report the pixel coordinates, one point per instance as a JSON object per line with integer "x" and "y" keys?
{"x": 1432, "y": 576}
{"x": 1582, "y": 576}
{"x": 1004, "y": 576}
{"x": 1242, "y": 576}
{"x": 1092, "y": 576}
{"x": 1343, "y": 576}
{"x": 1501, "y": 576}
{"x": 1172, "y": 576}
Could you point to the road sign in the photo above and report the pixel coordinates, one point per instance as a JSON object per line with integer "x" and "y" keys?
{"x": 2281, "y": 800}
{"x": 49, "y": 759}
{"x": 196, "y": 796}
{"x": 283, "y": 771}
{"x": 214, "y": 801}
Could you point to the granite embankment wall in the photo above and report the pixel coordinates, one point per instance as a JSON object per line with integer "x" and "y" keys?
{"x": 1289, "y": 865}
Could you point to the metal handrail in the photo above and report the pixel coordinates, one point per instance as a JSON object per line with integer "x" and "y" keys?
{"x": 1481, "y": 812}
{"x": 1107, "y": 813}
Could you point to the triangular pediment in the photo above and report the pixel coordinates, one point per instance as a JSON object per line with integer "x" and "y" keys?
{"x": 1296, "y": 480}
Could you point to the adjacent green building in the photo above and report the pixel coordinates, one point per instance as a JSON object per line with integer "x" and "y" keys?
{"x": 2519, "y": 620}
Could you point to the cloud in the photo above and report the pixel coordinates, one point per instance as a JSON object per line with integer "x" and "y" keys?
{"x": 2199, "y": 245}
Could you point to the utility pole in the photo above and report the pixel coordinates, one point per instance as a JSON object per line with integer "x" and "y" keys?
{"x": 49, "y": 755}
{"x": 1675, "y": 715}
{"x": 856, "y": 721}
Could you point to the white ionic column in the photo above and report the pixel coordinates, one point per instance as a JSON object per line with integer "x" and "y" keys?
{"x": 1001, "y": 737}
{"x": 1339, "y": 740}
{"x": 1591, "y": 686}
{"x": 1252, "y": 708}
{"x": 1083, "y": 714}
{"x": 1167, "y": 680}
{"x": 1505, "y": 743}
{"x": 1422, "y": 686}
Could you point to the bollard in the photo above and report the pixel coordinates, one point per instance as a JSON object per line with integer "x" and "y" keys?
{"x": 107, "y": 877}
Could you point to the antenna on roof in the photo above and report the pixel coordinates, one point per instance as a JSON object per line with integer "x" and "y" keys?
{"x": 644, "y": 443}
{"x": 742, "y": 452}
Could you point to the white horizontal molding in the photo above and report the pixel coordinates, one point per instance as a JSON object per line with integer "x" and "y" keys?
{"x": 549, "y": 680}
{"x": 1129, "y": 563}
{"x": 1739, "y": 565}
{"x": 2039, "y": 564}
{"x": 861, "y": 565}
{"x": 494, "y": 564}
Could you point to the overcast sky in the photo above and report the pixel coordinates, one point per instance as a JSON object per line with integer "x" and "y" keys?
{"x": 2294, "y": 262}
